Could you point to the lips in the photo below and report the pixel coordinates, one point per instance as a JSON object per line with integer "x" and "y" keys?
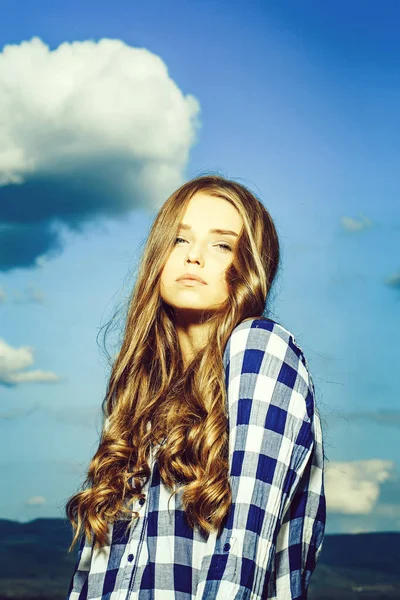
{"x": 191, "y": 277}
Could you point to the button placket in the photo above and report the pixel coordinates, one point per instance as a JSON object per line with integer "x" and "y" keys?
{"x": 131, "y": 592}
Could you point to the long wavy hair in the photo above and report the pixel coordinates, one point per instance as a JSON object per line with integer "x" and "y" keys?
{"x": 149, "y": 387}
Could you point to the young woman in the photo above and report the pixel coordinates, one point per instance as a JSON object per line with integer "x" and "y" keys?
{"x": 208, "y": 482}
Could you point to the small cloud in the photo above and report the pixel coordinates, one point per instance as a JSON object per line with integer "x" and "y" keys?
{"x": 3, "y": 295}
{"x": 354, "y": 487}
{"x": 35, "y": 377}
{"x": 89, "y": 416}
{"x": 35, "y": 501}
{"x": 394, "y": 281}
{"x": 32, "y": 295}
{"x": 389, "y": 418}
{"x": 358, "y": 529}
{"x": 9, "y": 415}
{"x": 350, "y": 224}
{"x": 14, "y": 360}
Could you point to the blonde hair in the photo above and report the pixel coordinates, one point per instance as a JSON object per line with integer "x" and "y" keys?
{"x": 148, "y": 382}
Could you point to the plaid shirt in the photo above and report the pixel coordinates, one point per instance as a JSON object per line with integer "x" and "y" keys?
{"x": 272, "y": 539}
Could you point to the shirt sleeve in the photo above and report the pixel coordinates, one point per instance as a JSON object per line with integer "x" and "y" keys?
{"x": 78, "y": 587}
{"x": 298, "y": 548}
{"x": 272, "y": 453}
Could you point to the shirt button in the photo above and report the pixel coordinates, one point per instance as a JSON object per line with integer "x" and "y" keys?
{"x": 226, "y": 547}
{"x": 130, "y": 557}
{"x": 142, "y": 501}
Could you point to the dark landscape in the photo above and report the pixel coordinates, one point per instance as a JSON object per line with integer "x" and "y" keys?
{"x": 35, "y": 565}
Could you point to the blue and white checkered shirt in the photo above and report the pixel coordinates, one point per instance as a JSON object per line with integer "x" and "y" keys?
{"x": 272, "y": 539}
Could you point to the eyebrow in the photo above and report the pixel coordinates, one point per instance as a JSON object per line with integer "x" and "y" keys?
{"x": 217, "y": 231}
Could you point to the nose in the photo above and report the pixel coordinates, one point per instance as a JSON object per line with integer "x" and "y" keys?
{"x": 193, "y": 257}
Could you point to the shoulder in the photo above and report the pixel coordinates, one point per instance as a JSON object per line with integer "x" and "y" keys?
{"x": 260, "y": 329}
{"x": 264, "y": 346}
{"x": 265, "y": 335}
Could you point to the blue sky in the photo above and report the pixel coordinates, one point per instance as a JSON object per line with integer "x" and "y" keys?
{"x": 298, "y": 101}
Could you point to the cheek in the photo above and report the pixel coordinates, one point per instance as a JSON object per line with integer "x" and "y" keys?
{"x": 168, "y": 273}
{"x": 169, "y": 265}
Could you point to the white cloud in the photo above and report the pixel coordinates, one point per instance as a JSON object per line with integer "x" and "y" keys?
{"x": 14, "y": 360}
{"x": 354, "y": 487}
{"x": 36, "y": 501}
{"x": 32, "y": 295}
{"x": 85, "y": 100}
{"x": 89, "y": 131}
{"x": 351, "y": 224}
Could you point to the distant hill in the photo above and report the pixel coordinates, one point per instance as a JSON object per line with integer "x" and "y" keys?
{"x": 35, "y": 564}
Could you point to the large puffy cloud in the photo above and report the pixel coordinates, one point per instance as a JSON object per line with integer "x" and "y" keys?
{"x": 87, "y": 130}
{"x": 14, "y": 361}
{"x": 353, "y": 488}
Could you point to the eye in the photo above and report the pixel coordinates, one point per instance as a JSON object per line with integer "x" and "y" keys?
{"x": 226, "y": 247}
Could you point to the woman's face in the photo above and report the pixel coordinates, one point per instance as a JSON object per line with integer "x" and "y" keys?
{"x": 203, "y": 253}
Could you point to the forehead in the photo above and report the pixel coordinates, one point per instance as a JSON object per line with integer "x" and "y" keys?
{"x": 205, "y": 212}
